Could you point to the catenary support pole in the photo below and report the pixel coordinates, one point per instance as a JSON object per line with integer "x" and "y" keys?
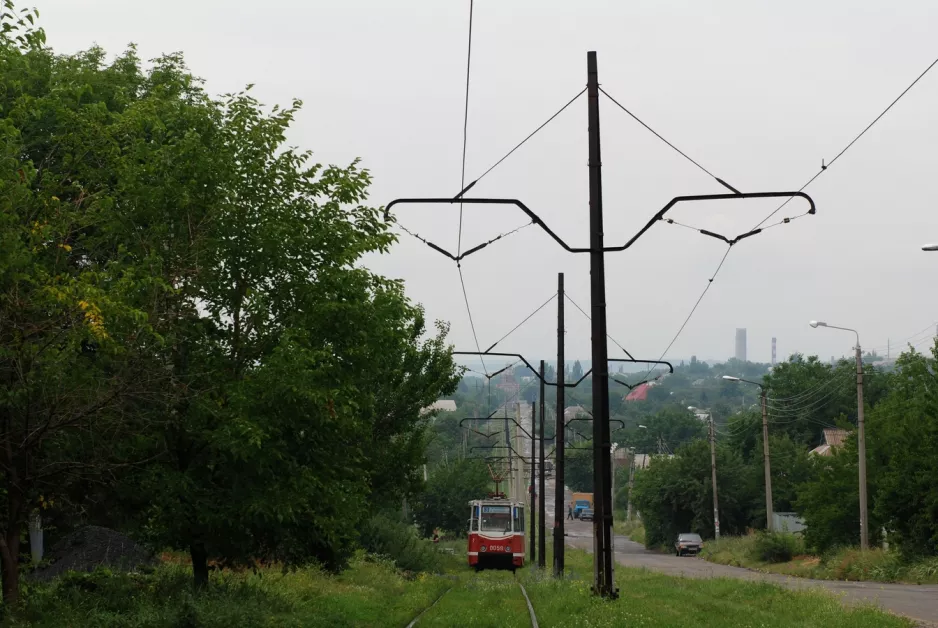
{"x": 768, "y": 466}
{"x": 533, "y": 509}
{"x": 713, "y": 472}
{"x": 559, "y": 497}
{"x": 602, "y": 469}
{"x": 861, "y": 447}
{"x": 541, "y": 493}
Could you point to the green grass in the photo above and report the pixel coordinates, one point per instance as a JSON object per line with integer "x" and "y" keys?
{"x": 369, "y": 593}
{"x": 649, "y": 599}
{"x": 634, "y": 529}
{"x": 373, "y": 592}
{"x": 874, "y": 565}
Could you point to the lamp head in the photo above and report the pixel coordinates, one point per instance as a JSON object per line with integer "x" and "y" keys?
{"x": 817, "y": 324}
{"x": 730, "y": 378}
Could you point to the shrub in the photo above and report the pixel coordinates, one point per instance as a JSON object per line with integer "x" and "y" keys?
{"x": 925, "y": 571}
{"x": 855, "y": 564}
{"x": 398, "y": 541}
{"x": 776, "y": 547}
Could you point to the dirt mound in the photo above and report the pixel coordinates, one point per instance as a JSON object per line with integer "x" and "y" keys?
{"x": 90, "y": 547}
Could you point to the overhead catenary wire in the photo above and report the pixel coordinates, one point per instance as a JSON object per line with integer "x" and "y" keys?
{"x": 465, "y": 125}
{"x": 660, "y": 137}
{"x": 472, "y": 324}
{"x": 526, "y": 319}
{"x": 824, "y": 167}
{"x": 583, "y": 312}
{"x": 465, "y": 188}
{"x": 786, "y": 220}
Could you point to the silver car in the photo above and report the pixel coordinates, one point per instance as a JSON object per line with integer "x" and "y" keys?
{"x": 688, "y": 543}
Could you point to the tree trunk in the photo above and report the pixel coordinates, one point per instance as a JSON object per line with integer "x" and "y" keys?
{"x": 9, "y": 564}
{"x": 199, "y": 565}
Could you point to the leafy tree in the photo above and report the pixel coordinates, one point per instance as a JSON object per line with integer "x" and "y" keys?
{"x": 75, "y": 335}
{"x": 577, "y": 371}
{"x": 444, "y": 501}
{"x": 830, "y": 502}
{"x": 300, "y": 377}
{"x": 578, "y": 470}
{"x": 675, "y": 494}
{"x": 902, "y": 439}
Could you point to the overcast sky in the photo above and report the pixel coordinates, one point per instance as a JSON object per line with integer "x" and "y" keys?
{"x": 757, "y": 92}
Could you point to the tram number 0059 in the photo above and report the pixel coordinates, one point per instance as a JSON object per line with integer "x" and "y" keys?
{"x": 496, "y": 548}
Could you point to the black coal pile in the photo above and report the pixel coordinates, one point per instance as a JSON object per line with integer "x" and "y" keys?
{"x": 91, "y": 547}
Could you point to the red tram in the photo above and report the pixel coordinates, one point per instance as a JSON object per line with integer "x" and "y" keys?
{"x": 496, "y": 533}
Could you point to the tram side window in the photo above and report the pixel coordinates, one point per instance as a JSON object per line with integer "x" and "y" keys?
{"x": 519, "y": 519}
{"x": 474, "y": 525}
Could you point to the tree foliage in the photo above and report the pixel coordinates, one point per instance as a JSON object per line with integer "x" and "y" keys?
{"x": 181, "y": 299}
{"x": 444, "y": 502}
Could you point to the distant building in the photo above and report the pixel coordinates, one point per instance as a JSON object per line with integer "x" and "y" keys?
{"x": 577, "y": 412}
{"x": 833, "y": 437}
{"x": 741, "y": 344}
{"x": 442, "y": 405}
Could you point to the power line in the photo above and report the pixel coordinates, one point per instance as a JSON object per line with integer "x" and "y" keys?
{"x": 465, "y": 128}
{"x": 471, "y": 323}
{"x": 539, "y": 308}
{"x": 590, "y": 319}
{"x": 862, "y": 133}
{"x": 660, "y": 137}
{"x": 465, "y": 188}
{"x": 694, "y": 309}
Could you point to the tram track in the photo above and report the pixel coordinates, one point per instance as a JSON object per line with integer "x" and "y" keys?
{"x": 476, "y": 581}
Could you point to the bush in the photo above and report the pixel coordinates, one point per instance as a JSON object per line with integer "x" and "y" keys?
{"x": 736, "y": 551}
{"x": 777, "y": 547}
{"x": 855, "y": 564}
{"x": 399, "y": 542}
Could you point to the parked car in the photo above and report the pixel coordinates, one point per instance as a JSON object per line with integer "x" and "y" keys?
{"x": 586, "y": 514}
{"x": 687, "y": 543}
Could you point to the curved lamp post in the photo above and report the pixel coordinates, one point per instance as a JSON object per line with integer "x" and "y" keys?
{"x": 861, "y": 436}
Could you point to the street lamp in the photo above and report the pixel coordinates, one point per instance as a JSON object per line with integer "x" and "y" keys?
{"x": 765, "y": 449}
{"x": 930, "y": 247}
{"x": 713, "y": 473}
{"x": 861, "y": 434}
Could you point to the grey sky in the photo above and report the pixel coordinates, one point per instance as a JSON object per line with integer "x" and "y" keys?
{"x": 758, "y": 92}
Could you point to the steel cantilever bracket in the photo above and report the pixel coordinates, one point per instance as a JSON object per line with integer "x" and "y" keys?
{"x": 609, "y": 249}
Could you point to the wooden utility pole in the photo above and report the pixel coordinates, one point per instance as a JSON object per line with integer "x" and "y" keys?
{"x": 533, "y": 550}
{"x": 559, "y": 497}
{"x": 541, "y": 506}
{"x": 713, "y": 472}
{"x": 768, "y": 467}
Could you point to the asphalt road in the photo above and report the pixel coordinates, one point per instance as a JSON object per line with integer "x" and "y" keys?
{"x": 918, "y": 602}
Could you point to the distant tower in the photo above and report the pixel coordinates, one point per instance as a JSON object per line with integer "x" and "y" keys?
{"x": 773, "y": 351}
{"x": 741, "y": 345}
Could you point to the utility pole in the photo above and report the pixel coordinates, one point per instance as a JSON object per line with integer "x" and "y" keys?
{"x": 533, "y": 505}
{"x": 602, "y": 524}
{"x": 768, "y": 467}
{"x": 541, "y": 506}
{"x": 713, "y": 471}
{"x": 861, "y": 435}
{"x": 559, "y": 497}
{"x": 628, "y": 515}
{"x": 861, "y": 446}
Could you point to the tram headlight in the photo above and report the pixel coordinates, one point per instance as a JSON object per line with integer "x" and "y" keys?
{"x": 482, "y": 549}
{"x": 508, "y": 548}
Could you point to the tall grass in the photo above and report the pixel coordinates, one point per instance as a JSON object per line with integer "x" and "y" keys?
{"x": 372, "y": 592}
{"x": 784, "y": 553}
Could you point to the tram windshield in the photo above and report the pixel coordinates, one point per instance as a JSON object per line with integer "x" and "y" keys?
{"x": 496, "y": 518}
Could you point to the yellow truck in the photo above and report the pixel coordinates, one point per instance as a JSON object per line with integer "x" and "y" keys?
{"x": 579, "y": 502}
